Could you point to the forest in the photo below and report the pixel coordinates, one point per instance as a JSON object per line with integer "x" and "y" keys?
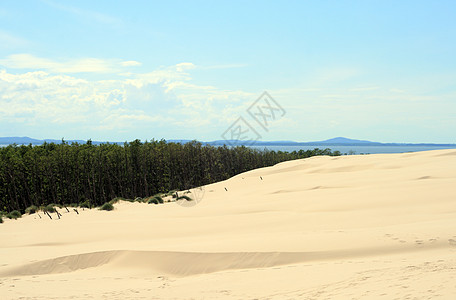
{"x": 76, "y": 173}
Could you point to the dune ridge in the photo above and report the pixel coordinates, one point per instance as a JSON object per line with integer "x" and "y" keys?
{"x": 191, "y": 263}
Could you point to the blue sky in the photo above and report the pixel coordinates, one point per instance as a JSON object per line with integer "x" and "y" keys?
{"x": 121, "y": 70}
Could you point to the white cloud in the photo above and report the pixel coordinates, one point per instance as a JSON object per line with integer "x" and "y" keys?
{"x": 82, "y": 65}
{"x": 184, "y": 66}
{"x": 167, "y": 103}
{"x": 164, "y": 98}
{"x": 130, "y": 63}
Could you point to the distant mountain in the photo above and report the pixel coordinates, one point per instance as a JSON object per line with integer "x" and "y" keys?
{"x": 338, "y": 141}
{"x": 18, "y": 140}
{"x": 342, "y": 140}
{"x": 26, "y": 141}
{"x": 333, "y": 141}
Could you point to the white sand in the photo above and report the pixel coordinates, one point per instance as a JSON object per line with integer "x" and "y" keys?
{"x": 373, "y": 226}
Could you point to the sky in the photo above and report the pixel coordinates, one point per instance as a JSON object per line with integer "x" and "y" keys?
{"x": 122, "y": 70}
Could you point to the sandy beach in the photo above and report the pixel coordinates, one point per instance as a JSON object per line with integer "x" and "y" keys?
{"x": 377, "y": 226}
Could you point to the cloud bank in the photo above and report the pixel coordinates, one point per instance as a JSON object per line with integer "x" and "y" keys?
{"x": 149, "y": 104}
{"x": 46, "y": 98}
{"x": 82, "y": 65}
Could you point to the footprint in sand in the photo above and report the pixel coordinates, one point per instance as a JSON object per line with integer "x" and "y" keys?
{"x": 452, "y": 242}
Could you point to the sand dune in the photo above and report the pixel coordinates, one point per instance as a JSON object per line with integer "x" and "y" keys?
{"x": 192, "y": 263}
{"x": 370, "y": 226}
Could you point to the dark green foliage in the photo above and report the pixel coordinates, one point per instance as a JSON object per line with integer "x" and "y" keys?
{"x": 171, "y": 193}
{"x": 31, "y": 209}
{"x": 59, "y": 173}
{"x": 184, "y": 197}
{"x": 1, "y": 220}
{"x": 14, "y": 214}
{"x": 107, "y": 206}
{"x": 49, "y": 208}
{"x": 159, "y": 199}
{"x": 116, "y": 199}
{"x": 153, "y": 201}
{"x": 85, "y": 204}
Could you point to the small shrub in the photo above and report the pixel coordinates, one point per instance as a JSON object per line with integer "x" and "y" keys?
{"x": 14, "y": 215}
{"x": 117, "y": 199}
{"x": 185, "y": 197}
{"x": 85, "y": 204}
{"x": 107, "y": 206}
{"x": 49, "y": 208}
{"x": 156, "y": 200}
{"x": 153, "y": 201}
{"x": 31, "y": 209}
{"x": 171, "y": 193}
{"x": 1, "y": 220}
{"x": 56, "y": 205}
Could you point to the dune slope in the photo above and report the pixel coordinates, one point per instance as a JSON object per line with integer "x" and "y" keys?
{"x": 372, "y": 226}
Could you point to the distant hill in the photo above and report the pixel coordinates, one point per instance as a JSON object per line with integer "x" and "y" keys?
{"x": 337, "y": 141}
{"x": 26, "y": 141}
{"x": 18, "y": 140}
{"x": 342, "y": 140}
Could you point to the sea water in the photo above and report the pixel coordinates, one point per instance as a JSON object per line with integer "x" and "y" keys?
{"x": 359, "y": 149}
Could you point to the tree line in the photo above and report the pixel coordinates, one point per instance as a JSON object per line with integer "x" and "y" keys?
{"x": 74, "y": 173}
